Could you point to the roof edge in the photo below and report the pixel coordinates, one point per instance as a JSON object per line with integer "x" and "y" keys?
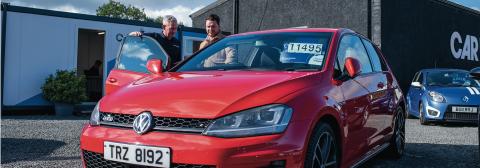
{"x": 207, "y": 8}
{"x": 61, "y": 14}
{"x": 459, "y": 6}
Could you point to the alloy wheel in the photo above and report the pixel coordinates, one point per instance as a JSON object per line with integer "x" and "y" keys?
{"x": 325, "y": 152}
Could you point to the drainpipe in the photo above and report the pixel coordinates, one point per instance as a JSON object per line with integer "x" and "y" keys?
{"x": 4, "y": 27}
{"x": 235, "y": 16}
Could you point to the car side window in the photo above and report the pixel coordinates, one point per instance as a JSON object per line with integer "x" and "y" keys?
{"x": 351, "y": 46}
{"x": 415, "y": 77}
{"x": 377, "y": 63}
{"x": 419, "y": 78}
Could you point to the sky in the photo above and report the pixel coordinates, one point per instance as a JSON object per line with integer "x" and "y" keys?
{"x": 181, "y": 9}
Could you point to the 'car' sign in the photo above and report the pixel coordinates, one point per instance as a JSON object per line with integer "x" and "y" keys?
{"x": 469, "y": 50}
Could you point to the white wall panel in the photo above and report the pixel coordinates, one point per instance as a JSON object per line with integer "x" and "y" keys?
{"x": 38, "y": 45}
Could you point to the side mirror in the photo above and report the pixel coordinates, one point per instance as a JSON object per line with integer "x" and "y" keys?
{"x": 416, "y": 84}
{"x": 475, "y": 73}
{"x": 352, "y": 65}
{"x": 154, "y": 66}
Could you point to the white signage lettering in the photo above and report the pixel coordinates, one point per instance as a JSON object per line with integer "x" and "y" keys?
{"x": 469, "y": 51}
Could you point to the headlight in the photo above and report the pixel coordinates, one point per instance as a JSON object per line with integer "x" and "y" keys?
{"x": 264, "y": 120}
{"x": 436, "y": 96}
{"x": 95, "y": 118}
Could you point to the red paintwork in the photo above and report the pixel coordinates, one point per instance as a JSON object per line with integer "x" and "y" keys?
{"x": 314, "y": 96}
{"x": 353, "y": 66}
{"x": 118, "y": 78}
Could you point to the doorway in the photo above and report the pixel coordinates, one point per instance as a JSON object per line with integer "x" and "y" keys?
{"x": 90, "y": 61}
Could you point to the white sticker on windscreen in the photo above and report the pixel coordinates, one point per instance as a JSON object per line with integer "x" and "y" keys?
{"x": 316, "y": 60}
{"x": 305, "y": 48}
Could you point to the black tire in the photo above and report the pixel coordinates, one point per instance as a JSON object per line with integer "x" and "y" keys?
{"x": 397, "y": 143}
{"x": 324, "y": 139}
{"x": 422, "y": 119}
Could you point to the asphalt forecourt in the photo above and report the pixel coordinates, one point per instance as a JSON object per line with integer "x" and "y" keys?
{"x": 51, "y": 141}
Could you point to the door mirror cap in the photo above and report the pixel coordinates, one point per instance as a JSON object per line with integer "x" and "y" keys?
{"x": 154, "y": 66}
{"x": 353, "y": 67}
{"x": 475, "y": 73}
{"x": 416, "y": 84}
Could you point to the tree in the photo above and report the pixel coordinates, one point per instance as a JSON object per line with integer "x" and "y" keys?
{"x": 159, "y": 19}
{"x": 118, "y": 10}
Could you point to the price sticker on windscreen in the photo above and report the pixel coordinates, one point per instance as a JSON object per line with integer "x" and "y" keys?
{"x": 305, "y": 48}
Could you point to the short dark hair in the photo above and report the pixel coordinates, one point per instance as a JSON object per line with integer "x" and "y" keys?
{"x": 213, "y": 17}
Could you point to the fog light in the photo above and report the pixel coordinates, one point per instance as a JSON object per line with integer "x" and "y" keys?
{"x": 278, "y": 164}
{"x": 432, "y": 113}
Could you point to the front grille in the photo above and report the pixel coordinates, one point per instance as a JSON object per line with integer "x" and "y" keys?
{"x": 461, "y": 116}
{"x": 161, "y": 123}
{"x": 96, "y": 160}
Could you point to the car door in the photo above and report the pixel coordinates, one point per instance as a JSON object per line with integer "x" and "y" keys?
{"x": 414, "y": 94}
{"x": 356, "y": 100}
{"x": 381, "y": 88}
{"x": 132, "y": 59}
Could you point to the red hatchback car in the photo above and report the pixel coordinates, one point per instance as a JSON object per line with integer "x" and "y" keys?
{"x": 277, "y": 98}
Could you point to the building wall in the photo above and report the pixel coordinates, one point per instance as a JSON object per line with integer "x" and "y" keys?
{"x": 274, "y": 14}
{"x": 224, "y": 10}
{"x": 38, "y": 45}
{"x": 420, "y": 38}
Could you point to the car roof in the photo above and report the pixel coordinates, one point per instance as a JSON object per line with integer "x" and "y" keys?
{"x": 442, "y": 69}
{"x": 288, "y": 30}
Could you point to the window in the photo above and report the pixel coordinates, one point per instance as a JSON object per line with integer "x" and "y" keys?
{"x": 450, "y": 79}
{"x": 351, "y": 46}
{"x": 271, "y": 51}
{"x": 136, "y": 51}
{"x": 190, "y": 45}
{"x": 377, "y": 63}
{"x": 419, "y": 78}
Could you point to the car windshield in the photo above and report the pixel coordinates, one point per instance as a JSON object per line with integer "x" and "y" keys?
{"x": 270, "y": 52}
{"x": 451, "y": 79}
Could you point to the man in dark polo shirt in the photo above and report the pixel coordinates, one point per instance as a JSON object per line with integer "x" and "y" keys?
{"x": 167, "y": 39}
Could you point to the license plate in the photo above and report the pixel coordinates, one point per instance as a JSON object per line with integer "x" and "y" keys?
{"x": 464, "y": 109}
{"x": 137, "y": 154}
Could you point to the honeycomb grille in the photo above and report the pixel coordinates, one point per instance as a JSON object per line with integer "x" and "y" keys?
{"x": 161, "y": 123}
{"x": 96, "y": 160}
{"x": 461, "y": 116}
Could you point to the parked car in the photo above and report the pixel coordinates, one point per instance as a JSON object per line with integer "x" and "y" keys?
{"x": 444, "y": 95}
{"x": 284, "y": 98}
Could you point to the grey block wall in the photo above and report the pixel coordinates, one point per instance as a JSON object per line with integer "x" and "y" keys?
{"x": 275, "y": 14}
{"x": 224, "y": 10}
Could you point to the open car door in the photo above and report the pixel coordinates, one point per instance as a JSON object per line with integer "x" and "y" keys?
{"x": 132, "y": 59}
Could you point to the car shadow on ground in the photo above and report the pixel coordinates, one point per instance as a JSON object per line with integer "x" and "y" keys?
{"x": 15, "y": 150}
{"x": 430, "y": 155}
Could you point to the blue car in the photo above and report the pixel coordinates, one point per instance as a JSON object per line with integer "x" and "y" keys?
{"x": 444, "y": 95}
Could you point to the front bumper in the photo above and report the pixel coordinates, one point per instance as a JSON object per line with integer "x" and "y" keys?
{"x": 196, "y": 150}
{"x": 445, "y": 113}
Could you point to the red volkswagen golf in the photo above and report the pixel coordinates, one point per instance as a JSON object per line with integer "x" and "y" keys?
{"x": 279, "y": 98}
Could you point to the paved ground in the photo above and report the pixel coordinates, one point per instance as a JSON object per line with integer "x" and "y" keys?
{"x": 49, "y": 141}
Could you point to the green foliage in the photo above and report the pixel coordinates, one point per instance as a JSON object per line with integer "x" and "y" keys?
{"x": 118, "y": 10}
{"x": 159, "y": 20}
{"x": 65, "y": 87}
